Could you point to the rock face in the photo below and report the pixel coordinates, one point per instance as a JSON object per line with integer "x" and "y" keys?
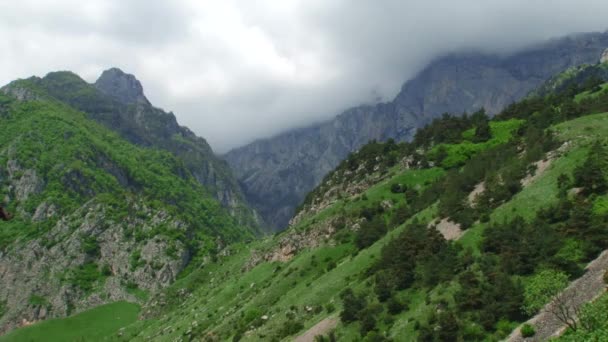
{"x": 604, "y": 57}
{"x": 35, "y": 274}
{"x": 277, "y": 173}
{"x": 124, "y": 87}
{"x": 117, "y": 101}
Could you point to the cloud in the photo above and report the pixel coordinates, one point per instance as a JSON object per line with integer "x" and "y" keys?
{"x": 237, "y": 70}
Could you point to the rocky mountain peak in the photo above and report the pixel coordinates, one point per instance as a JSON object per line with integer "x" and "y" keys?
{"x": 604, "y": 57}
{"x": 122, "y": 86}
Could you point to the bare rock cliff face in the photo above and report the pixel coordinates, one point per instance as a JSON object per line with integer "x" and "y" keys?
{"x": 277, "y": 173}
{"x": 38, "y": 275}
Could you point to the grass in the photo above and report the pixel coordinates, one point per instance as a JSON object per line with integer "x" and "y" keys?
{"x": 543, "y": 191}
{"x": 458, "y": 154}
{"x": 590, "y": 95}
{"x": 584, "y": 129}
{"x": 92, "y": 325}
{"x": 225, "y": 296}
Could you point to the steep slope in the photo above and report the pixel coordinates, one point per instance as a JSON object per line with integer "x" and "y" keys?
{"x": 277, "y": 173}
{"x": 117, "y": 101}
{"x": 367, "y": 257}
{"x": 96, "y": 218}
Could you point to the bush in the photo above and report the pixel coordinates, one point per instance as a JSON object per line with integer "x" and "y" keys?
{"x": 290, "y": 327}
{"x": 370, "y": 232}
{"x": 397, "y": 188}
{"x": 352, "y": 305}
{"x": 527, "y": 330}
{"x": 541, "y": 288}
{"x": 395, "y": 306}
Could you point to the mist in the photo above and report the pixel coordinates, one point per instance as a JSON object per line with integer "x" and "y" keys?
{"x": 235, "y": 71}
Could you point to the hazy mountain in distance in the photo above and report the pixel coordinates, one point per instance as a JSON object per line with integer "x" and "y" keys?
{"x": 276, "y": 173}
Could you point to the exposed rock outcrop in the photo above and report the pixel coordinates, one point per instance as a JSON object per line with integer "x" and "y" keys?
{"x": 295, "y": 241}
{"x": 122, "y": 86}
{"x": 35, "y": 274}
{"x": 604, "y": 57}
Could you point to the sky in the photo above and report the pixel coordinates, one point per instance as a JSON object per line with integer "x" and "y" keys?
{"x": 238, "y": 70}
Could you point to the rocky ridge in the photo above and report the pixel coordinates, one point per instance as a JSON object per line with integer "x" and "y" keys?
{"x": 117, "y": 101}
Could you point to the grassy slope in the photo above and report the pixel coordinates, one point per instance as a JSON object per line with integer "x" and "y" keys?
{"x": 91, "y": 325}
{"x": 225, "y": 293}
{"x": 56, "y": 140}
{"x": 543, "y": 191}
{"x": 457, "y": 154}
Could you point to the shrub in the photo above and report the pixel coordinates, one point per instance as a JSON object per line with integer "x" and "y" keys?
{"x": 527, "y": 330}
{"x": 36, "y": 300}
{"x": 90, "y": 245}
{"x": 290, "y": 327}
{"x": 370, "y": 232}
{"x": 541, "y": 288}
{"x": 397, "y": 188}
{"x": 353, "y": 304}
{"x": 395, "y": 306}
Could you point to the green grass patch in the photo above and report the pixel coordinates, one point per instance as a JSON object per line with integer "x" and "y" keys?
{"x": 458, "y": 154}
{"x": 590, "y": 95}
{"x": 92, "y": 325}
{"x": 584, "y": 129}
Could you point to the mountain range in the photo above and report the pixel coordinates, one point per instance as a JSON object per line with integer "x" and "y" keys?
{"x": 122, "y": 225}
{"x": 466, "y": 233}
{"x": 277, "y": 173}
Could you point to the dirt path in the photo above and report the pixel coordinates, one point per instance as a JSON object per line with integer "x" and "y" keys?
{"x": 583, "y": 290}
{"x": 320, "y": 328}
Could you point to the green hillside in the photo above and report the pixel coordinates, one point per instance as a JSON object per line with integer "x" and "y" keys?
{"x": 97, "y": 219}
{"x": 360, "y": 254}
{"x": 462, "y": 234}
{"x": 91, "y": 325}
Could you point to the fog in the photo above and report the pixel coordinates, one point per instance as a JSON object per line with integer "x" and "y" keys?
{"x": 234, "y": 71}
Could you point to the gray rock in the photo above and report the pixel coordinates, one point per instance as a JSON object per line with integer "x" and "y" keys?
{"x": 122, "y": 86}
{"x": 43, "y": 266}
{"x": 604, "y": 57}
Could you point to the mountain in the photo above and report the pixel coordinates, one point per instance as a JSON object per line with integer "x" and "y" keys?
{"x": 117, "y": 101}
{"x": 277, "y": 173}
{"x": 96, "y": 218}
{"x": 463, "y": 234}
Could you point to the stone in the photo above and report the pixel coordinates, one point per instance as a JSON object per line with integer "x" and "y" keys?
{"x": 122, "y": 86}
{"x": 604, "y": 57}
